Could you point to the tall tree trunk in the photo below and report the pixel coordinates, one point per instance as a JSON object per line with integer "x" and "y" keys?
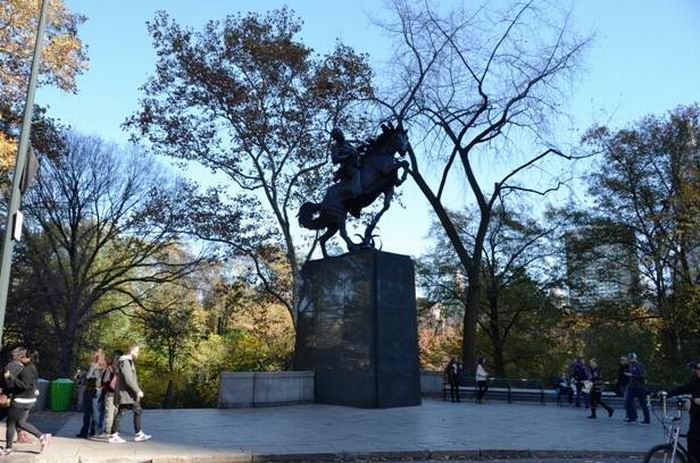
{"x": 169, "y": 393}
{"x": 471, "y": 308}
{"x": 66, "y": 348}
{"x": 471, "y": 316}
{"x": 495, "y": 328}
{"x": 499, "y": 366}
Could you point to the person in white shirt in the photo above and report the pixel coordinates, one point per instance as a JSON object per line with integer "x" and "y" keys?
{"x": 482, "y": 377}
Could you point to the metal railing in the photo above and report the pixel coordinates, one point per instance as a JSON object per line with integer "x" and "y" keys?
{"x": 511, "y": 387}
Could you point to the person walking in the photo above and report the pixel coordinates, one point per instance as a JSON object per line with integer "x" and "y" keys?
{"x": 597, "y": 390}
{"x": 692, "y": 388}
{"x": 580, "y": 375}
{"x": 452, "y": 375}
{"x": 92, "y": 394}
{"x": 127, "y": 396}
{"x": 14, "y": 366}
{"x": 482, "y": 377}
{"x": 636, "y": 390}
{"x": 24, "y": 393}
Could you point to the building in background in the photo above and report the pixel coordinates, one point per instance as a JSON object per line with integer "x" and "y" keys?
{"x": 602, "y": 266}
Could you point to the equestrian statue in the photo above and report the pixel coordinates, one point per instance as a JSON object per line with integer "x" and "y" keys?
{"x": 365, "y": 172}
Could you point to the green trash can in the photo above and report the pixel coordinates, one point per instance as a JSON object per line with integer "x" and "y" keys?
{"x": 61, "y": 394}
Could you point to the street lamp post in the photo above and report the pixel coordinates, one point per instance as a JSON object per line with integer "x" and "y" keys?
{"x": 13, "y": 225}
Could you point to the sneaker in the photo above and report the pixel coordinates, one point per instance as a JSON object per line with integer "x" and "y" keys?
{"x": 591, "y": 417}
{"x": 628, "y": 420}
{"x": 115, "y": 439}
{"x": 141, "y": 437}
{"x": 5, "y": 452}
{"x": 44, "y": 439}
{"x": 102, "y": 436}
{"x": 646, "y": 422}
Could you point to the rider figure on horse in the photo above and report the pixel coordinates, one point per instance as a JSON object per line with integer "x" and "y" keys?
{"x": 348, "y": 174}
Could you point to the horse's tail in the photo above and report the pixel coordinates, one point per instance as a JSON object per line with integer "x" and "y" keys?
{"x": 306, "y": 216}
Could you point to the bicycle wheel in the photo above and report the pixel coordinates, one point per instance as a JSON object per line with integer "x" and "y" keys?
{"x": 662, "y": 454}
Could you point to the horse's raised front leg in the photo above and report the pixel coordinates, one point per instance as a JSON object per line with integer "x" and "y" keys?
{"x": 330, "y": 231}
{"x": 388, "y": 195}
{"x": 404, "y": 175}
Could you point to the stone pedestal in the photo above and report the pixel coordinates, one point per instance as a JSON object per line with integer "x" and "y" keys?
{"x": 357, "y": 330}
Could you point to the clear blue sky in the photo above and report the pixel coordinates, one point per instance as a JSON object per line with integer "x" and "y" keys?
{"x": 645, "y": 59}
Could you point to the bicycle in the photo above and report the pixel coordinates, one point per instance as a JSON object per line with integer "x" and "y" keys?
{"x": 672, "y": 451}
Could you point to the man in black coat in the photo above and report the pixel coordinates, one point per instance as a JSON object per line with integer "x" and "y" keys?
{"x": 692, "y": 388}
{"x": 622, "y": 378}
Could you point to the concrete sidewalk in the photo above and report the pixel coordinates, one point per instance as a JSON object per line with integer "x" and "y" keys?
{"x": 321, "y": 432}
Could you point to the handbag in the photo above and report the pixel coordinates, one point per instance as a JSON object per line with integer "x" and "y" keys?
{"x": 587, "y": 386}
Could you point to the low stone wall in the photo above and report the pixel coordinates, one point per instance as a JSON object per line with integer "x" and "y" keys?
{"x": 260, "y": 389}
{"x": 431, "y": 383}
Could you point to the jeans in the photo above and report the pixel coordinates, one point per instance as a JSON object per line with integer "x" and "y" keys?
{"x": 91, "y": 413}
{"x": 136, "y": 409}
{"x": 454, "y": 391}
{"x": 109, "y": 411}
{"x": 17, "y": 418}
{"x": 639, "y": 393}
{"x": 482, "y": 388}
{"x": 596, "y": 400}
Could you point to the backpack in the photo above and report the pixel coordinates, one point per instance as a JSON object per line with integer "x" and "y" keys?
{"x": 113, "y": 381}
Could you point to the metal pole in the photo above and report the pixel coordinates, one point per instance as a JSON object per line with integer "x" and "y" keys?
{"x": 22, "y": 153}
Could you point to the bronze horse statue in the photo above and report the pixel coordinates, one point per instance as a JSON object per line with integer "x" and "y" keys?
{"x": 379, "y": 175}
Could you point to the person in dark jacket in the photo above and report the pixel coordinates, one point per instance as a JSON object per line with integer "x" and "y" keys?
{"x": 692, "y": 388}
{"x": 24, "y": 393}
{"x": 622, "y": 378}
{"x": 127, "y": 396}
{"x": 597, "y": 390}
{"x": 14, "y": 367}
{"x": 636, "y": 389}
{"x": 452, "y": 374}
{"x": 579, "y": 375}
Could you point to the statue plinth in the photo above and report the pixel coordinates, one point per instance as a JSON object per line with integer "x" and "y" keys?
{"x": 357, "y": 329}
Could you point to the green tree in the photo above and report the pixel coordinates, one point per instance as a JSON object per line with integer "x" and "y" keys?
{"x": 648, "y": 180}
{"x": 172, "y": 321}
{"x": 92, "y": 234}
{"x": 518, "y": 322}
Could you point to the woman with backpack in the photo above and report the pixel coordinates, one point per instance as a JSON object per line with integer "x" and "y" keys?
{"x": 23, "y": 387}
{"x": 92, "y": 394}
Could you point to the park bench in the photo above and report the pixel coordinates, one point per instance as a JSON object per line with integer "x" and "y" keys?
{"x": 506, "y": 389}
{"x": 528, "y": 390}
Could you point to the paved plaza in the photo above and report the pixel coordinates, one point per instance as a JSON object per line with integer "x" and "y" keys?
{"x": 327, "y": 432}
